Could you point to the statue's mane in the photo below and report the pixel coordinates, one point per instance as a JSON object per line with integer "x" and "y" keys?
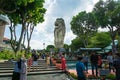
{"x": 59, "y": 22}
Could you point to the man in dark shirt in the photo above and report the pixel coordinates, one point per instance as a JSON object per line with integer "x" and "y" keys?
{"x": 116, "y": 64}
{"x": 94, "y": 62}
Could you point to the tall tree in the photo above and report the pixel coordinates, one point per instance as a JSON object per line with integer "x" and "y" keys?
{"x": 108, "y": 16}
{"x": 84, "y": 26}
{"x": 28, "y": 14}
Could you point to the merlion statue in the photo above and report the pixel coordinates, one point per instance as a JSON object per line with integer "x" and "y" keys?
{"x": 59, "y": 33}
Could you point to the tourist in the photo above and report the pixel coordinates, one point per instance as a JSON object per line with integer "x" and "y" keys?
{"x": 80, "y": 68}
{"x": 63, "y": 60}
{"x": 94, "y": 63}
{"x": 116, "y": 64}
{"x": 43, "y": 56}
{"x": 17, "y": 68}
{"x": 85, "y": 61}
{"x": 99, "y": 61}
{"x": 35, "y": 58}
{"x": 29, "y": 63}
{"x": 110, "y": 61}
{"x": 48, "y": 60}
{"x": 23, "y": 71}
{"x": 51, "y": 60}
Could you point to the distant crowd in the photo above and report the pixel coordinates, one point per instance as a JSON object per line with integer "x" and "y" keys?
{"x": 112, "y": 62}
{"x": 23, "y": 65}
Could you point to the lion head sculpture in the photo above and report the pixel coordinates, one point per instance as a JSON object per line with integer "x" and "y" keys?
{"x": 59, "y": 33}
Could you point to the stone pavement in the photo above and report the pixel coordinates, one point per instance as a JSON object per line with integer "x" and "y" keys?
{"x": 57, "y": 76}
{"x": 42, "y": 73}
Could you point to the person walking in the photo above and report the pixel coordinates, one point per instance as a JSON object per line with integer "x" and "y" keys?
{"x": 99, "y": 61}
{"x": 63, "y": 60}
{"x": 80, "y": 68}
{"x": 116, "y": 65}
{"x": 94, "y": 63}
{"x": 17, "y": 68}
{"x": 35, "y": 59}
{"x": 48, "y": 60}
{"x": 85, "y": 61}
{"x": 29, "y": 63}
{"x": 23, "y": 71}
{"x": 110, "y": 61}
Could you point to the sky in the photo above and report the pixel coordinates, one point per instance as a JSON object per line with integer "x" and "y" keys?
{"x": 66, "y": 9}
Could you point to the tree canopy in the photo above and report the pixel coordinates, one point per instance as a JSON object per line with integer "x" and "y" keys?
{"x": 100, "y": 40}
{"x": 84, "y": 25}
{"x": 108, "y": 16}
{"x": 28, "y": 13}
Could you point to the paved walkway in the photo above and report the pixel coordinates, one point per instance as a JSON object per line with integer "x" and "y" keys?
{"x": 42, "y": 73}
{"x": 57, "y": 76}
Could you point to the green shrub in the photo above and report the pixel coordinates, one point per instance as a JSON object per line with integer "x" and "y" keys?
{"x": 110, "y": 76}
{"x": 73, "y": 75}
{"x": 8, "y": 54}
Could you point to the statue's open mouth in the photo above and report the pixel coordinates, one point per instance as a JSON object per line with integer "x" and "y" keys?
{"x": 56, "y": 24}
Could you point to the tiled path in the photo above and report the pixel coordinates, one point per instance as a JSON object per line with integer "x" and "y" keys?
{"x": 43, "y": 77}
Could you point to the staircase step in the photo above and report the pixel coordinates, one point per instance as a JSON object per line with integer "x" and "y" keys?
{"x": 33, "y": 73}
{"x": 46, "y": 69}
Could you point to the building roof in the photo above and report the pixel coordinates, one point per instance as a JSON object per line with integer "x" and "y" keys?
{"x": 5, "y": 38}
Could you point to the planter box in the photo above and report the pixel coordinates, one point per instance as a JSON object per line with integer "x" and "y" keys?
{"x": 104, "y": 72}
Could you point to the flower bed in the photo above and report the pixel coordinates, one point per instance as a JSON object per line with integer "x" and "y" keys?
{"x": 109, "y": 76}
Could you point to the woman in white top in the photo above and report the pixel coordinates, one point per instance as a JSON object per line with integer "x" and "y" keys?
{"x": 23, "y": 72}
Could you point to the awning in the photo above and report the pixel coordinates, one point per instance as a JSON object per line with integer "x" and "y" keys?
{"x": 90, "y": 49}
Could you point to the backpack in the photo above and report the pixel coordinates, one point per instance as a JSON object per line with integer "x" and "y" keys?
{"x": 35, "y": 57}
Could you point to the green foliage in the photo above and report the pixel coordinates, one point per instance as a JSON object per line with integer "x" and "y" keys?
{"x": 76, "y": 44}
{"x": 49, "y": 47}
{"x": 7, "y": 6}
{"x": 110, "y": 76}
{"x": 66, "y": 46}
{"x": 73, "y": 75}
{"x": 108, "y": 16}
{"x": 28, "y": 13}
{"x": 84, "y": 25}
{"x": 107, "y": 12}
{"x": 101, "y": 40}
{"x": 8, "y": 54}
